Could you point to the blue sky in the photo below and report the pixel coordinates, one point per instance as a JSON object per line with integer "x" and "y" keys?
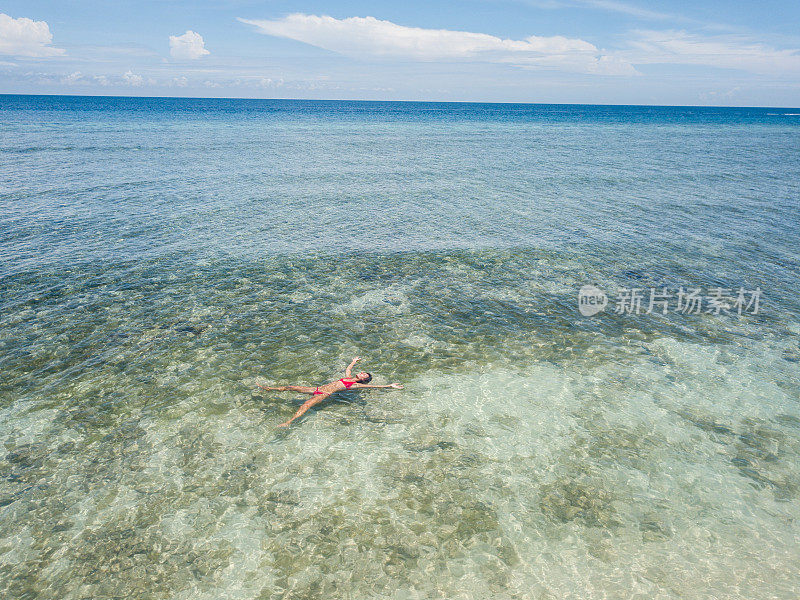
{"x": 585, "y": 51}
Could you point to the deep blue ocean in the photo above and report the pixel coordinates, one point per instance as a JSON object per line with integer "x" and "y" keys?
{"x": 160, "y": 257}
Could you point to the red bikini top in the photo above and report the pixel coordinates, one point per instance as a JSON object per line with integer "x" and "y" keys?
{"x": 347, "y": 384}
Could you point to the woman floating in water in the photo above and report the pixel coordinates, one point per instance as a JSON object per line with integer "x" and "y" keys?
{"x": 321, "y": 392}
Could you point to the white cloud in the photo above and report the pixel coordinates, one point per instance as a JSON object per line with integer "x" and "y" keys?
{"x": 622, "y": 8}
{"x": 24, "y": 37}
{"x": 189, "y": 46}
{"x": 268, "y": 82}
{"x": 371, "y": 37}
{"x": 132, "y": 79}
{"x": 627, "y": 9}
{"x": 723, "y": 51}
{"x": 72, "y": 78}
{"x": 717, "y": 96}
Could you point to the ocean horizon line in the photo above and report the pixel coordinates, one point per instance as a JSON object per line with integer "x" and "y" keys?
{"x": 368, "y": 101}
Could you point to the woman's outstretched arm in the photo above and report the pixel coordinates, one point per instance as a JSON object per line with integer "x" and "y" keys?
{"x": 350, "y": 366}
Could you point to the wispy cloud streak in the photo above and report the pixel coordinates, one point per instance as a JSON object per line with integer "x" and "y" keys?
{"x": 368, "y": 37}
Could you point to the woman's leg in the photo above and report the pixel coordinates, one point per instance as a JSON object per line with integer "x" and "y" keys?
{"x": 289, "y": 388}
{"x": 305, "y": 389}
{"x": 303, "y": 409}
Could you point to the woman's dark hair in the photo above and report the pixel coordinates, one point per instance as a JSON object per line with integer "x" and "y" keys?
{"x": 367, "y": 379}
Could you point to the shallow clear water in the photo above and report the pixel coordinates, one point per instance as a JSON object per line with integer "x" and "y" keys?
{"x": 159, "y": 257}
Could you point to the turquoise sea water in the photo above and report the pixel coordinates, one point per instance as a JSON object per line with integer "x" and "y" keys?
{"x": 158, "y": 257}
